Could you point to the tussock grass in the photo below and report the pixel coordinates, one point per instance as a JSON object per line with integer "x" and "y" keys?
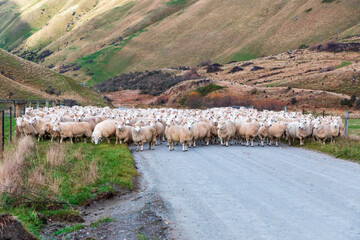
{"x": 345, "y": 148}
{"x": 67, "y": 173}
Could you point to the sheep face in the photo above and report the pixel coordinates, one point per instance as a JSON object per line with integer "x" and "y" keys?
{"x": 96, "y": 139}
{"x": 137, "y": 128}
{"x": 56, "y": 127}
{"x": 119, "y": 125}
{"x": 32, "y": 121}
{"x": 19, "y": 121}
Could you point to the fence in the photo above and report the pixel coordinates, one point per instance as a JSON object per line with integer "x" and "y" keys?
{"x": 14, "y": 109}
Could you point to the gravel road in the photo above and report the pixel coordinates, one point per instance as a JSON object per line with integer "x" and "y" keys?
{"x": 254, "y": 193}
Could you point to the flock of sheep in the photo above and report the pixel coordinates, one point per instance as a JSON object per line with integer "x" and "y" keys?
{"x": 187, "y": 127}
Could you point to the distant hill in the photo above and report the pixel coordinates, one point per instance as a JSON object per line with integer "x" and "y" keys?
{"x": 28, "y": 80}
{"x": 107, "y": 37}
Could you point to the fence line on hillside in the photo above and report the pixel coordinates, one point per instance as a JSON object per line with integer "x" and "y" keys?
{"x": 17, "y": 109}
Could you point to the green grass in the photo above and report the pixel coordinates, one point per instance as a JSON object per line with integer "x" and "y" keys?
{"x": 343, "y": 64}
{"x": 7, "y": 129}
{"x": 115, "y": 168}
{"x": 276, "y": 83}
{"x": 101, "y": 220}
{"x": 141, "y": 236}
{"x": 343, "y": 148}
{"x": 66, "y": 230}
{"x": 244, "y": 54}
{"x": 176, "y": 2}
{"x": 203, "y": 91}
{"x": 354, "y": 126}
{"x": 101, "y": 63}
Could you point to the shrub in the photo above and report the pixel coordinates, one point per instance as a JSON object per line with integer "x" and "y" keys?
{"x": 253, "y": 91}
{"x": 203, "y": 91}
{"x": 191, "y": 74}
{"x": 293, "y": 101}
{"x": 161, "y": 100}
{"x": 346, "y": 102}
{"x": 193, "y": 100}
{"x": 303, "y": 46}
{"x": 214, "y": 68}
{"x": 357, "y": 104}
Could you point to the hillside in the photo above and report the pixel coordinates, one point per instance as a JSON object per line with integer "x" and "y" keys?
{"x": 107, "y": 37}
{"x": 28, "y": 80}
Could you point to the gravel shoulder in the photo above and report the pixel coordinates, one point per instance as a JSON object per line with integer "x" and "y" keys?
{"x": 253, "y": 193}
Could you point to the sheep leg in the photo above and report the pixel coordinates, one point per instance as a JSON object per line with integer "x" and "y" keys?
{"x": 207, "y": 141}
{"x": 183, "y": 146}
{"x": 252, "y": 142}
{"x": 226, "y": 142}
{"x": 137, "y": 146}
{"x": 247, "y": 142}
{"x": 149, "y": 145}
{"x": 108, "y": 140}
{"x": 117, "y": 140}
{"x": 173, "y": 145}
{"x": 289, "y": 141}
{"x": 85, "y": 140}
{"x": 194, "y": 143}
{"x": 52, "y": 138}
{"x": 277, "y": 142}
{"x": 61, "y": 139}
{"x": 169, "y": 144}
{"x": 301, "y": 141}
{"x": 71, "y": 140}
{"x": 221, "y": 141}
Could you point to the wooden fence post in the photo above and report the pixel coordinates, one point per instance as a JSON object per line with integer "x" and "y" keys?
{"x": 18, "y": 114}
{"x": 54, "y": 104}
{"x": 47, "y": 103}
{"x": 11, "y": 118}
{"x": 323, "y": 113}
{"x": 2, "y": 133}
{"x": 285, "y": 109}
{"x": 346, "y": 122}
{"x": 37, "y": 104}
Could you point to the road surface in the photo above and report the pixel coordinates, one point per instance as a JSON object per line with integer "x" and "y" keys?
{"x": 254, "y": 193}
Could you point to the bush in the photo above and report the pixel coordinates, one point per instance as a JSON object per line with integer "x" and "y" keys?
{"x": 303, "y": 46}
{"x": 191, "y": 74}
{"x": 69, "y": 103}
{"x": 193, "y": 100}
{"x": 148, "y": 82}
{"x": 293, "y": 101}
{"x": 357, "y": 104}
{"x": 161, "y": 100}
{"x": 203, "y": 91}
{"x": 214, "y": 68}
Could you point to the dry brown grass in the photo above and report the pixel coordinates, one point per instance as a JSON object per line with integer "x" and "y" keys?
{"x": 56, "y": 155}
{"x": 353, "y": 137}
{"x": 12, "y": 167}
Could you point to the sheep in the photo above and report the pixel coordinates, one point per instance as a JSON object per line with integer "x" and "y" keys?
{"x": 71, "y": 130}
{"x": 143, "y": 135}
{"x": 201, "y": 131}
{"x": 305, "y": 130}
{"x": 226, "y": 132}
{"x": 248, "y": 131}
{"x": 291, "y": 131}
{"x": 186, "y": 136}
{"x": 334, "y": 130}
{"x": 172, "y": 133}
{"x": 48, "y": 127}
{"x": 39, "y": 127}
{"x": 321, "y": 132}
{"x": 105, "y": 129}
{"x": 263, "y": 132}
{"x": 123, "y": 133}
{"x": 160, "y": 130}
{"x": 276, "y": 131}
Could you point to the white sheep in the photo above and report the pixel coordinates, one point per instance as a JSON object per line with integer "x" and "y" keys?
{"x": 73, "y": 130}
{"x": 105, "y": 129}
{"x": 141, "y": 135}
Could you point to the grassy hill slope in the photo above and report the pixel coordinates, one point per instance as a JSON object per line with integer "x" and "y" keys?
{"x": 28, "y": 80}
{"x": 107, "y": 37}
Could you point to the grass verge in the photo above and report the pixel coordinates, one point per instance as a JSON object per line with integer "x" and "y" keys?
{"x": 68, "y": 173}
